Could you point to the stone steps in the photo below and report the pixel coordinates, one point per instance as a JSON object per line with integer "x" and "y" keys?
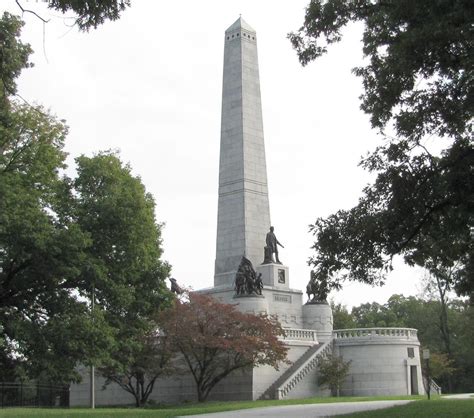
{"x": 300, "y": 368}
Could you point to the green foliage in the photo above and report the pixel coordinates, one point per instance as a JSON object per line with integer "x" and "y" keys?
{"x": 61, "y": 242}
{"x": 440, "y": 365}
{"x": 62, "y": 239}
{"x": 91, "y": 13}
{"x": 333, "y": 371}
{"x": 419, "y": 59}
{"x": 13, "y": 55}
{"x": 41, "y": 250}
{"x": 118, "y": 215}
{"x": 124, "y": 267}
{"x": 342, "y": 319}
{"x": 417, "y": 82}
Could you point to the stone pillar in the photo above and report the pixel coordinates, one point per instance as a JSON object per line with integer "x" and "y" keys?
{"x": 243, "y": 215}
{"x": 318, "y": 316}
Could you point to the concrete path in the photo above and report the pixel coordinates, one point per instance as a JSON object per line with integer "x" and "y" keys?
{"x": 305, "y": 411}
{"x": 459, "y": 396}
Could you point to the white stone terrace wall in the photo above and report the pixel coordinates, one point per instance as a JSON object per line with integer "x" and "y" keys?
{"x": 380, "y": 361}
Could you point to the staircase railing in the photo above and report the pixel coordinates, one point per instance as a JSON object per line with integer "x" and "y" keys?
{"x": 301, "y": 334}
{"x": 301, "y": 370}
{"x": 270, "y": 392}
{"x": 434, "y": 387}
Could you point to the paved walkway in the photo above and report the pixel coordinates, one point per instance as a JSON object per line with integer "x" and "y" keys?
{"x": 315, "y": 410}
{"x": 460, "y": 396}
{"x": 305, "y": 411}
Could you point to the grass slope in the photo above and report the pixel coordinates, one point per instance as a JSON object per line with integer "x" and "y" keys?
{"x": 439, "y": 408}
{"x": 187, "y": 409}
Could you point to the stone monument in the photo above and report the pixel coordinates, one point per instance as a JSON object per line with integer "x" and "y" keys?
{"x": 244, "y": 230}
{"x": 243, "y": 209}
{"x": 384, "y": 360}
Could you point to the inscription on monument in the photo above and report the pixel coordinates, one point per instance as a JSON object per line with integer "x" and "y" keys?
{"x": 282, "y": 298}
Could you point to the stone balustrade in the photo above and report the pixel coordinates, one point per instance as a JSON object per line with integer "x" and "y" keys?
{"x": 374, "y": 333}
{"x": 296, "y": 334}
{"x": 302, "y": 370}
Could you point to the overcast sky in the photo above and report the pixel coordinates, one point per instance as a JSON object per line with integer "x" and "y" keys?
{"x": 150, "y": 85}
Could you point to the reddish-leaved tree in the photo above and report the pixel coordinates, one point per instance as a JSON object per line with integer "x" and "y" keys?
{"x": 215, "y": 339}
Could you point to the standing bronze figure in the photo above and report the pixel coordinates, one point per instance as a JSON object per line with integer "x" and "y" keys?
{"x": 272, "y": 248}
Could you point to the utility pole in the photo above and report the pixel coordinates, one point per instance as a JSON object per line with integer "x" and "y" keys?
{"x": 426, "y": 356}
{"x": 92, "y": 372}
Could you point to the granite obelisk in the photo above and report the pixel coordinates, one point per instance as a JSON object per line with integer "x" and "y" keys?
{"x": 243, "y": 209}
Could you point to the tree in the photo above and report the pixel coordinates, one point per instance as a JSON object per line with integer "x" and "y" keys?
{"x": 138, "y": 364}
{"x": 61, "y": 240}
{"x": 333, "y": 371}
{"x": 418, "y": 83}
{"x": 369, "y": 315}
{"x": 89, "y": 13}
{"x": 342, "y": 319}
{"x": 41, "y": 249}
{"x": 13, "y": 59}
{"x": 462, "y": 327}
{"x": 440, "y": 366}
{"x": 439, "y": 283}
{"x": 124, "y": 266}
{"x": 124, "y": 269}
{"x": 215, "y": 339}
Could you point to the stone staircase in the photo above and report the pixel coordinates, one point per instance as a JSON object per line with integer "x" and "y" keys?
{"x": 299, "y": 369}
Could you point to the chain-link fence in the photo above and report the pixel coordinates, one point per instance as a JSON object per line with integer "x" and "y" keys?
{"x": 33, "y": 394}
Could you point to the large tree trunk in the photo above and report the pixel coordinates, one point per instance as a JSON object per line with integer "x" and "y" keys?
{"x": 201, "y": 394}
{"x": 442, "y": 279}
{"x": 137, "y": 400}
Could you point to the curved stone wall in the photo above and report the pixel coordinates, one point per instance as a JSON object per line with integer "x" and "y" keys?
{"x": 384, "y": 361}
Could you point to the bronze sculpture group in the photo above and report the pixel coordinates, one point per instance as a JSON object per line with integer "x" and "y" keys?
{"x": 246, "y": 280}
{"x": 317, "y": 287}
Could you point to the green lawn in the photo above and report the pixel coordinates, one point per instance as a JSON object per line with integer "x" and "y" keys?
{"x": 438, "y": 408}
{"x": 173, "y": 411}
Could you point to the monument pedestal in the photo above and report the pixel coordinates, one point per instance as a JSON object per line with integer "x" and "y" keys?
{"x": 275, "y": 275}
{"x": 318, "y": 316}
{"x": 253, "y": 304}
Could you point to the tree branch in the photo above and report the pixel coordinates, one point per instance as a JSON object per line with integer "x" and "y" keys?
{"x": 23, "y": 10}
{"x": 423, "y": 220}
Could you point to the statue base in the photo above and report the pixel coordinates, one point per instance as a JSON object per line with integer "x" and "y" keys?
{"x": 253, "y": 295}
{"x": 317, "y": 302}
{"x": 275, "y": 275}
{"x": 318, "y": 316}
{"x": 254, "y": 304}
